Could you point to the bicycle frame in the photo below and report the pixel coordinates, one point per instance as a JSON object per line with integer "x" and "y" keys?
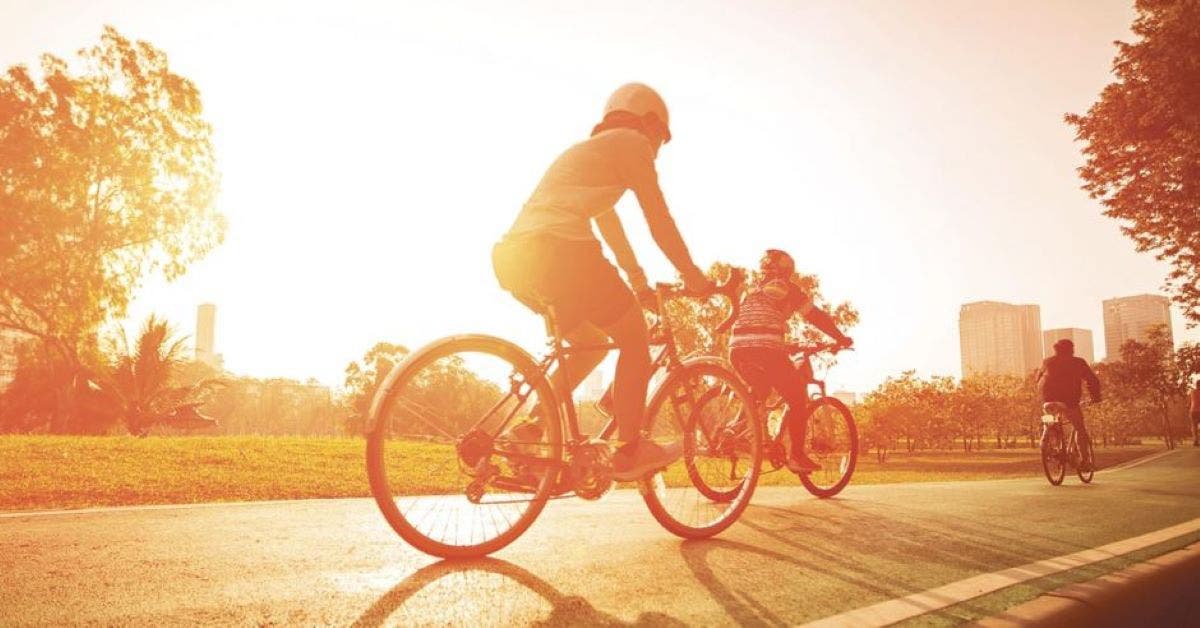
{"x": 1066, "y": 445}
{"x": 664, "y": 358}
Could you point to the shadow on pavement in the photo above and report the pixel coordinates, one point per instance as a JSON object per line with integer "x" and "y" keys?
{"x": 489, "y": 591}
{"x": 852, "y": 554}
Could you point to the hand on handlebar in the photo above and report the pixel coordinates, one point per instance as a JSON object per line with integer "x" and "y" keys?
{"x": 698, "y": 284}
{"x": 646, "y": 297}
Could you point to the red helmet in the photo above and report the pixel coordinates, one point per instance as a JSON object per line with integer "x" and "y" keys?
{"x": 777, "y": 263}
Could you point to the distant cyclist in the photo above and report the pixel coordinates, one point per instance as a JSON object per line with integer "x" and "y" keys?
{"x": 551, "y": 259}
{"x": 1061, "y": 379}
{"x": 759, "y": 351}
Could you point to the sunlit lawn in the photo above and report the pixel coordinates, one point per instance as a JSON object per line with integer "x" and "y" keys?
{"x": 38, "y": 472}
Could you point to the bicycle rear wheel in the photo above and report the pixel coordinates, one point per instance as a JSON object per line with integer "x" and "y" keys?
{"x": 1086, "y": 469}
{"x": 704, "y": 405}
{"x": 831, "y": 440}
{"x": 456, "y": 464}
{"x": 1053, "y": 458}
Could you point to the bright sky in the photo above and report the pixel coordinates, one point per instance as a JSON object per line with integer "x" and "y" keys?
{"x": 912, "y": 155}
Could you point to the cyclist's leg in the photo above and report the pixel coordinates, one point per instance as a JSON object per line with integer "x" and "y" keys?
{"x": 773, "y": 369}
{"x": 746, "y": 364}
{"x": 784, "y": 377}
{"x": 1074, "y": 414}
{"x": 632, "y": 376}
{"x": 574, "y": 368}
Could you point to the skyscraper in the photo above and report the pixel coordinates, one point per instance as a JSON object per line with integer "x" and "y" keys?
{"x": 206, "y": 325}
{"x": 1081, "y": 337}
{"x": 1132, "y": 318}
{"x": 999, "y": 338}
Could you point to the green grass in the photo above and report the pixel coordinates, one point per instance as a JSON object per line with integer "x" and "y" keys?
{"x": 42, "y": 472}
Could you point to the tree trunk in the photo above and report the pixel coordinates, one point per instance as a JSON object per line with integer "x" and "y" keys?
{"x": 1168, "y": 438}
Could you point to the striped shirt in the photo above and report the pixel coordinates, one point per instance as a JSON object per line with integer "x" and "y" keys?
{"x": 764, "y": 314}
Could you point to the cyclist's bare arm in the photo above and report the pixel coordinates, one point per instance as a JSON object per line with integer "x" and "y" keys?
{"x": 642, "y": 178}
{"x": 614, "y": 235}
{"x": 823, "y": 321}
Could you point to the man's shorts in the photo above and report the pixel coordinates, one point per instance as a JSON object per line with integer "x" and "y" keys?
{"x": 571, "y": 276}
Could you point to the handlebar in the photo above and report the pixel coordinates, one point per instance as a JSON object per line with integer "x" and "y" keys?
{"x": 731, "y": 289}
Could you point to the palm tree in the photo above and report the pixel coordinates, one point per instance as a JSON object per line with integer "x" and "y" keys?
{"x": 139, "y": 383}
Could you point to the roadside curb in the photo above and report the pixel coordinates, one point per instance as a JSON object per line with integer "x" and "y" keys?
{"x": 1161, "y": 591}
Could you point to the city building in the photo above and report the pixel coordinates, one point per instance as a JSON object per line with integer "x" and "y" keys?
{"x": 1132, "y": 318}
{"x": 206, "y": 327}
{"x": 1081, "y": 337}
{"x": 999, "y": 338}
{"x": 845, "y": 397}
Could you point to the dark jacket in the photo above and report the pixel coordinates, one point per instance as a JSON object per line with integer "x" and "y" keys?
{"x": 1062, "y": 377}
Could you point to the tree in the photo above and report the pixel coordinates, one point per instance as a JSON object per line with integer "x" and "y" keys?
{"x": 106, "y": 176}
{"x": 139, "y": 383}
{"x": 1143, "y": 142}
{"x": 695, "y": 321}
{"x": 1149, "y": 372}
{"x": 363, "y": 377}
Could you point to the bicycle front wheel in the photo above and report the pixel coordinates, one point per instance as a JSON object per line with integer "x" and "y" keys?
{"x": 1053, "y": 460}
{"x": 706, "y": 407}
{"x": 831, "y": 440}
{"x": 457, "y": 464}
{"x": 1086, "y": 470}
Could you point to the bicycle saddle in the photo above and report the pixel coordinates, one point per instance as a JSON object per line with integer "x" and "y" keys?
{"x": 1054, "y": 407}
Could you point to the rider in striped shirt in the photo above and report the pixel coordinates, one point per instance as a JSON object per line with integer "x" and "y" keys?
{"x": 760, "y": 353}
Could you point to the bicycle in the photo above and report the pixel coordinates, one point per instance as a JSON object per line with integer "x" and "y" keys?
{"x": 454, "y": 480}
{"x": 831, "y": 435}
{"x": 1058, "y": 450}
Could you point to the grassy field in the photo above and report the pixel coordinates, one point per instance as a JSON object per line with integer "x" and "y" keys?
{"x": 40, "y": 472}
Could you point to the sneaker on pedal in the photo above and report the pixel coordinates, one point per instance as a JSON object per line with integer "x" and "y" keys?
{"x": 800, "y": 464}
{"x": 634, "y": 460}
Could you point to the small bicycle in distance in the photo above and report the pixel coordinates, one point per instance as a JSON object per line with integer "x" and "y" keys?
{"x": 467, "y": 440}
{"x": 1060, "y": 449}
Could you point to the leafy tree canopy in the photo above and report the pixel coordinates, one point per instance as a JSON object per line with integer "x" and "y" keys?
{"x": 1143, "y": 142}
{"x": 106, "y": 174}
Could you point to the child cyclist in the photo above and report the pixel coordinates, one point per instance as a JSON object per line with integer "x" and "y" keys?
{"x": 760, "y": 354}
{"x": 550, "y": 259}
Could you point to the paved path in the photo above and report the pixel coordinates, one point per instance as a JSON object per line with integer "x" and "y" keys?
{"x": 792, "y": 559}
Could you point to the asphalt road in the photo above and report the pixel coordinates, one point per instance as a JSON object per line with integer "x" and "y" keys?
{"x": 792, "y": 559}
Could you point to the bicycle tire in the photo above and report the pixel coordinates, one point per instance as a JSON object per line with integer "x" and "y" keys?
{"x": 1052, "y": 453}
{"x": 845, "y": 467}
{"x": 654, "y": 488}
{"x": 401, "y": 379}
{"x": 1089, "y": 461}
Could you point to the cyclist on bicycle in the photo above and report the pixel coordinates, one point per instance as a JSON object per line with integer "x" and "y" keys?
{"x": 1061, "y": 379}
{"x": 550, "y": 259}
{"x": 761, "y": 356}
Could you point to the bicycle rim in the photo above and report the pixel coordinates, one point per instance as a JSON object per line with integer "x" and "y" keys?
{"x": 1052, "y": 457}
{"x": 456, "y": 463}
{"x": 831, "y": 440}
{"x": 1087, "y": 460}
{"x": 705, "y": 406}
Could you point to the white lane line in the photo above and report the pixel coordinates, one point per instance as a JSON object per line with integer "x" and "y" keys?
{"x": 910, "y": 606}
{"x": 1140, "y": 461}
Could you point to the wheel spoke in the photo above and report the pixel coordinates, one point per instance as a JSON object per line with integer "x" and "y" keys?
{"x": 437, "y": 474}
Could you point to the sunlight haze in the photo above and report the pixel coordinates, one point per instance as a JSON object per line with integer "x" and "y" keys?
{"x": 912, "y": 155}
